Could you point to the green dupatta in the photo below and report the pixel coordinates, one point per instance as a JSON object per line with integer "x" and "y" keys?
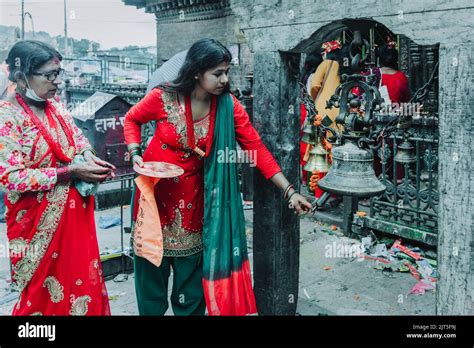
{"x": 227, "y": 278}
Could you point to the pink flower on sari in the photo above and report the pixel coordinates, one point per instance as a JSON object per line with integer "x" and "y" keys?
{"x": 5, "y": 131}
{"x": 51, "y": 173}
{"x": 13, "y": 160}
{"x": 26, "y": 123}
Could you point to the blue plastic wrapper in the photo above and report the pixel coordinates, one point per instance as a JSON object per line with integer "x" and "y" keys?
{"x": 85, "y": 188}
{"x": 109, "y": 221}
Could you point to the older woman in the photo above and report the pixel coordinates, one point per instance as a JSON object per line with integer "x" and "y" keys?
{"x": 50, "y": 226}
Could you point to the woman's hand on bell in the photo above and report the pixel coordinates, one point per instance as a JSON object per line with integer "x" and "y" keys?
{"x": 300, "y": 204}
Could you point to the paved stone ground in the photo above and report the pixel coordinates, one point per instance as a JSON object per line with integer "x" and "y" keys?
{"x": 328, "y": 286}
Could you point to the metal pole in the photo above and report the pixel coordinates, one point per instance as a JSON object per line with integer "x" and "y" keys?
{"x": 351, "y": 205}
{"x": 22, "y": 19}
{"x": 32, "y": 23}
{"x": 122, "y": 254}
{"x": 65, "y": 29}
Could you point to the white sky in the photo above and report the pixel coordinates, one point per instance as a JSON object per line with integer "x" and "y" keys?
{"x": 108, "y": 22}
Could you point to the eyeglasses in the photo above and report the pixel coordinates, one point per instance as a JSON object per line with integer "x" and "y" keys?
{"x": 51, "y": 76}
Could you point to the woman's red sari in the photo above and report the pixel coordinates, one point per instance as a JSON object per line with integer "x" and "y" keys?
{"x": 50, "y": 226}
{"x": 60, "y": 272}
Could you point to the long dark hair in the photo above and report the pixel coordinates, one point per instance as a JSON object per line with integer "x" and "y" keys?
{"x": 28, "y": 56}
{"x": 202, "y": 56}
{"x": 388, "y": 56}
{"x": 310, "y": 65}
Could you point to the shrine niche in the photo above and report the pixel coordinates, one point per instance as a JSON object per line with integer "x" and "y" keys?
{"x": 406, "y": 207}
{"x": 409, "y": 205}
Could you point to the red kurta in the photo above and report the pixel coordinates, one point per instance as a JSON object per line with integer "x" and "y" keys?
{"x": 399, "y": 92}
{"x": 180, "y": 200}
{"x": 398, "y": 87}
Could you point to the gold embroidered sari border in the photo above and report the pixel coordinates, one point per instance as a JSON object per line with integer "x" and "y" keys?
{"x": 25, "y": 268}
{"x": 183, "y": 253}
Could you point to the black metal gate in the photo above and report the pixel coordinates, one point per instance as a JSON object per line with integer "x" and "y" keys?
{"x": 409, "y": 207}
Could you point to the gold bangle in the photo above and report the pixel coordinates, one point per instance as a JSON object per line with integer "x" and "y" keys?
{"x": 289, "y": 198}
{"x": 288, "y": 188}
{"x": 88, "y": 149}
{"x": 133, "y": 146}
{"x": 134, "y": 152}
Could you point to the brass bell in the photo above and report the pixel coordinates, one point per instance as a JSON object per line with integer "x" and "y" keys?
{"x": 352, "y": 172}
{"x": 405, "y": 153}
{"x": 308, "y": 133}
{"x": 317, "y": 160}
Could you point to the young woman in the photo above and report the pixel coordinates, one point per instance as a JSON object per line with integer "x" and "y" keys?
{"x": 322, "y": 85}
{"x": 50, "y": 226}
{"x": 326, "y": 79}
{"x": 398, "y": 89}
{"x": 395, "y": 80}
{"x": 200, "y": 212}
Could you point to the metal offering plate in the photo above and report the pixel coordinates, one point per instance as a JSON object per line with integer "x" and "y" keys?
{"x": 159, "y": 170}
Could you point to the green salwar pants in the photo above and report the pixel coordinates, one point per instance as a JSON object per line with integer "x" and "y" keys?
{"x": 151, "y": 286}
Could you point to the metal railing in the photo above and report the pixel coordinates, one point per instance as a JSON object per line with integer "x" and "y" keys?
{"x": 409, "y": 207}
{"x": 106, "y": 67}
